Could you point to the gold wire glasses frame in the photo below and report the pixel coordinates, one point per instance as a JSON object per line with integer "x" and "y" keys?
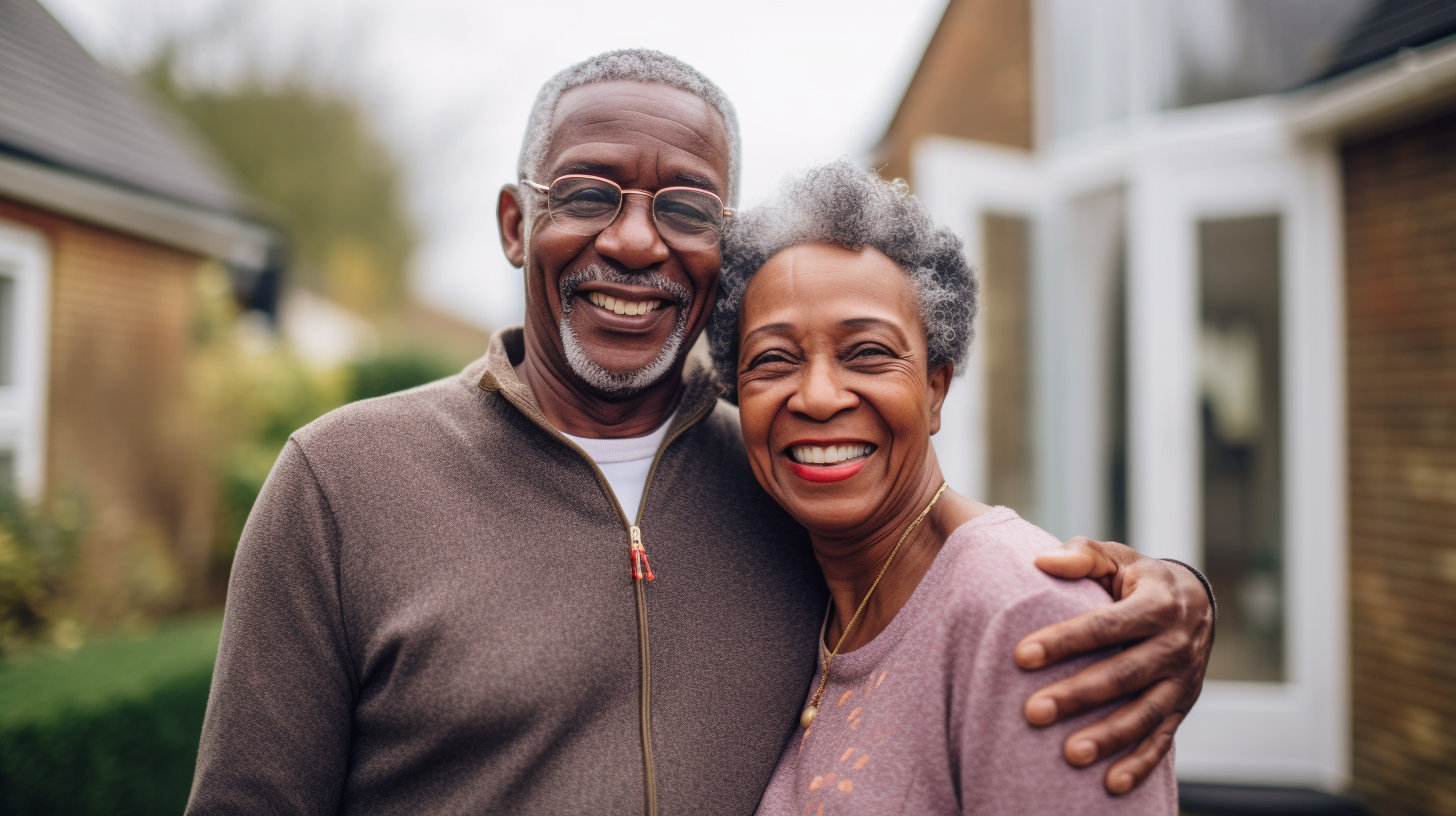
{"x": 687, "y": 218}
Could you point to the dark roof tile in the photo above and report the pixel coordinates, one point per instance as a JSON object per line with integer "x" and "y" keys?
{"x": 59, "y": 106}
{"x": 1391, "y": 26}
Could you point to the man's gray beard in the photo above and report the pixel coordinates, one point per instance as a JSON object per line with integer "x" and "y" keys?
{"x": 623, "y": 383}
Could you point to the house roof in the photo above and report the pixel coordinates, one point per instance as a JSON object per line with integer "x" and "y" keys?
{"x": 59, "y": 107}
{"x": 1389, "y": 27}
{"x": 974, "y": 81}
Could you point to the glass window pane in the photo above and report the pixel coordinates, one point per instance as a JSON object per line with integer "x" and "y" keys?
{"x": 1115, "y": 424}
{"x": 1239, "y": 382}
{"x": 7, "y": 331}
{"x": 1006, "y": 336}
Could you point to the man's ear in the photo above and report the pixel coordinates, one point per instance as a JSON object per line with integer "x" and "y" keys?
{"x": 512, "y": 223}
{"x": 939, "y": 384}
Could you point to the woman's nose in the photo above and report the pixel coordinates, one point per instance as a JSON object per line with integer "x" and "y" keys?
{"x": 821, "y": 393}
{"x": 632, "y": 239}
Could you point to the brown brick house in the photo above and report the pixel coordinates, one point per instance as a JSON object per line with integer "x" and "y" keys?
{"x": 107, "y": 211}
{"x": 1218, "y": 245}
{"x": 1398, "y": 177}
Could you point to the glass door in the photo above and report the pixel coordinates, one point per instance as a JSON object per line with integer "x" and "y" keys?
{"x": 1235, "y": 441}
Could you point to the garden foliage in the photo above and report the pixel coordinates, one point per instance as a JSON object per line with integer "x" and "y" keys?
{"x": 111, "y": 728}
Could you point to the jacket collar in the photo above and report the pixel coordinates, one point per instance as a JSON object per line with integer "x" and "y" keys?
{"x": 701, "y": 388}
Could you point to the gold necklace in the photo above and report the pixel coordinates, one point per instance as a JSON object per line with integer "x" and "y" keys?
{"x": 813, "y": 710}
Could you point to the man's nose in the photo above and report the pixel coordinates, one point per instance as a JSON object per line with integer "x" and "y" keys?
{"x": 632, "y": 240}
{"x": 821, "y": 393}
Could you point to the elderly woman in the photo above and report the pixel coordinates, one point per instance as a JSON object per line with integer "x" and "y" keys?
{"x": 845, "y": 313}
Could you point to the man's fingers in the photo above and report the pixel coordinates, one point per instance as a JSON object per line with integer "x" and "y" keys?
{"x": 1068, "y": 564}
{"x": 1080, "y": 557}
{"x": 1140, "y": 721}
{"x": 1119, "y": 675}
{"x": 1133, "y": 769}
{"x": 1088, "y": 632}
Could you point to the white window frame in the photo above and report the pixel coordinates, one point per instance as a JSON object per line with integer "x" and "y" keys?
{"x": 962, "y": 183}
{"x": 1297, "y": 731}
{"x": 1177, "y": 169}
{"x": 25, "y": 257}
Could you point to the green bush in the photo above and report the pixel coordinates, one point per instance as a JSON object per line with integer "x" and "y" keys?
{"x": 37, "y": 552}
{"x": 272, "y": 396}
{"x": 109, "y": 729}
{"x": 395, "y": 371}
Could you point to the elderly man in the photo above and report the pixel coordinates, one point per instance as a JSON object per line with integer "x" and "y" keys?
{"x": 551, "y": 584}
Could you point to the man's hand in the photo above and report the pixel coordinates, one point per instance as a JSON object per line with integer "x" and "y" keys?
{"x": 1163, "y": 617}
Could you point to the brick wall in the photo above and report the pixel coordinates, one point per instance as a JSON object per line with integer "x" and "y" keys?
{"x": 1400, "y": 222}
{"x": 974, "y": 82}
{"x": 120, "y": 432}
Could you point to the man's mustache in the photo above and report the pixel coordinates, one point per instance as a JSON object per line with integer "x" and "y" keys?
{"x": 675, "y": 292}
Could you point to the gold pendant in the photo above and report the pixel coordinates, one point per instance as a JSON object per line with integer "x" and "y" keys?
{"x": 808, "y": 716}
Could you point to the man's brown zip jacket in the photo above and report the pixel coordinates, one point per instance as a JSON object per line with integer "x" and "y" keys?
{"x": 432, "y": 610}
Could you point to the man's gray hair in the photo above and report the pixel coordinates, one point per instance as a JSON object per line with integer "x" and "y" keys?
{"x": 842, "y": 203}
{"x": 634, "y": 65}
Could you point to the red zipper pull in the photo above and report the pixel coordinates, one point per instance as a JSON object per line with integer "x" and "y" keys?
{"x": 640, "y": 568}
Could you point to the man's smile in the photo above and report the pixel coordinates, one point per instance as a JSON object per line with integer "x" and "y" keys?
{"x": 624, "y": 303}
{"x": 623, "y": 312}
{"x": 620, "y": 306}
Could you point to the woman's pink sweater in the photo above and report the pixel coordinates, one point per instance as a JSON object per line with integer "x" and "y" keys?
{"x": 927, "y": 717}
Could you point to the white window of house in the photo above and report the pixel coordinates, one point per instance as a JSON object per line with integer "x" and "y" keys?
{"x": 992, "y": 198}
{"x": 24, "y": 321}
{"x": 1236, "y": 441}
{"x": 1178, "y": 385}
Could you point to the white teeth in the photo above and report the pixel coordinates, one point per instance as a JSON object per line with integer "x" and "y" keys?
{"x": 623, "y": 307}
{"x": 828, "y": 455}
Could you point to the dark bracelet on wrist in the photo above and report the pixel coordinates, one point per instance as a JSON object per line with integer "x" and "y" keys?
{"x": 1207, "y": 587}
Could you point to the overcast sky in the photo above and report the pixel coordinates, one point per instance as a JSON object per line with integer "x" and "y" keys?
{"x": 451, "y": 82}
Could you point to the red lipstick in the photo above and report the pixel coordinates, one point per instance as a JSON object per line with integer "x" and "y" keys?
{"x": 828, "y": 473}
{"x": 832, "y": 473}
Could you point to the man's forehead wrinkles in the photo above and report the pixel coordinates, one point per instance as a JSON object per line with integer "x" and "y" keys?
{"x": 671, "y": 164}
{"x": 695, "y": 141}
{"x": 615, "y": 159}
{"x": 697, "y": 144}
{"x": 625, "y": 124}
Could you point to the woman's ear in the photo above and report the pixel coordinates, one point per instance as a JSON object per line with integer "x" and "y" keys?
{"x": 512, "y": 223}
{"x": 938, "y": 386}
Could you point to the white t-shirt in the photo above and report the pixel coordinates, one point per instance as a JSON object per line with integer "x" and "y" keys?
{"x": 625, "y": 463}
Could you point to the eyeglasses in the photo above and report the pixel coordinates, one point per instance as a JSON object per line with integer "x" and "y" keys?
{"x": 687, "y": 218}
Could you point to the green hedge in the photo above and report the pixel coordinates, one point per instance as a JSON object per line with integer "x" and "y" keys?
{"x": 109, "y": 729}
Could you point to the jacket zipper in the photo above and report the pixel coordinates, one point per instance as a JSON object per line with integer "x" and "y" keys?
{"x": 641, "y": 572}
{"x": 644, "y": 648}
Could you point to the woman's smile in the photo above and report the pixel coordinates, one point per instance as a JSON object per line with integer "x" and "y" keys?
{"x": 828, "y": 461}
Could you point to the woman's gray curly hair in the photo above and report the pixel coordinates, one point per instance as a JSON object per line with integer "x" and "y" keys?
{"x": 842, "y": 203}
